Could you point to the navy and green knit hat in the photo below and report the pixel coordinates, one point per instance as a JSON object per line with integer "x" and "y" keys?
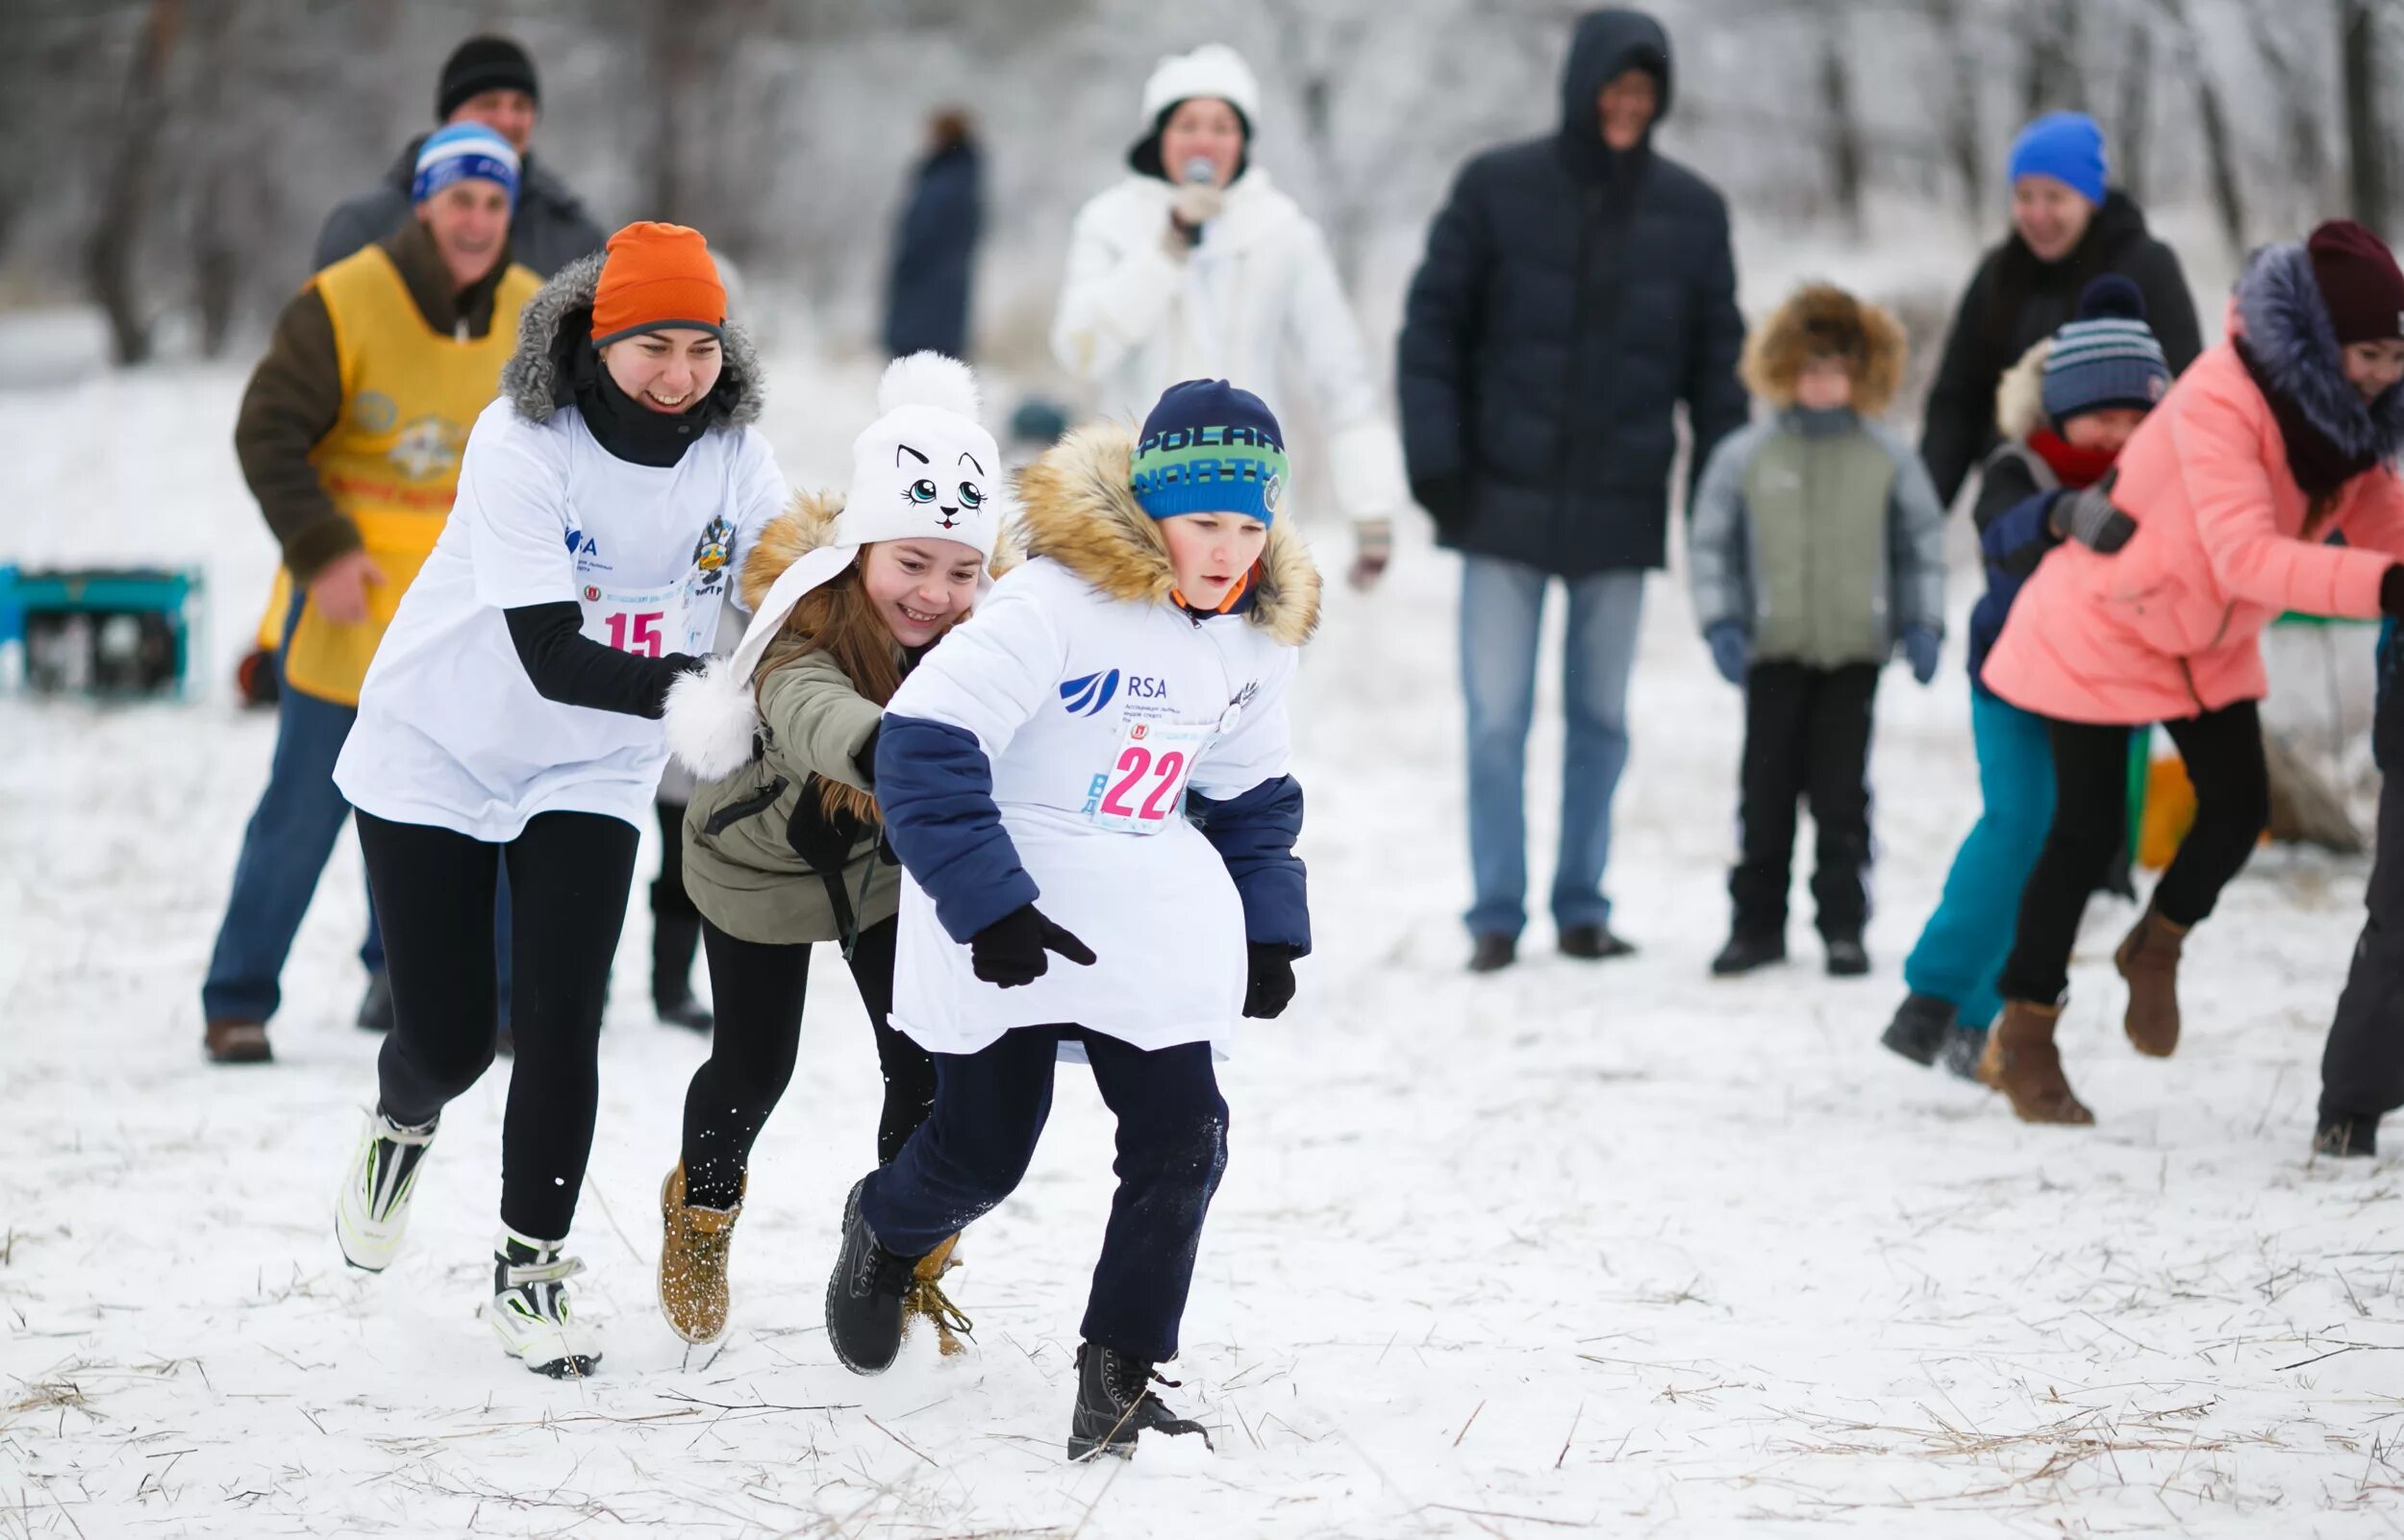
{"x": 2107, "y": 358}
{"x": 1210, "y": 448}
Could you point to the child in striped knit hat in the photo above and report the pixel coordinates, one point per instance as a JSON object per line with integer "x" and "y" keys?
{"x": 2065, "y": 411}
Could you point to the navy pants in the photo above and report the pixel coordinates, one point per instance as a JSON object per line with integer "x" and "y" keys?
{"x": 989, "y": 1110}
{"x": 2362, "y": 1070}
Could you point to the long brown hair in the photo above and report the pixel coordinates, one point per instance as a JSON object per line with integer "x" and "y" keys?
{"x": 837, "y": 619}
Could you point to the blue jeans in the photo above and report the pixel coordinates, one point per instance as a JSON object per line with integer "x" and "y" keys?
{"x": 283, "y": 852}
{"x": 1962, "y": 947}
{"x": 1502, "y": 611}
{"x": 285, "y": 848}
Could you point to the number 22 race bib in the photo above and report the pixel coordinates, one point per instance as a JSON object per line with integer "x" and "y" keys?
{"x": 1145, "y": 784}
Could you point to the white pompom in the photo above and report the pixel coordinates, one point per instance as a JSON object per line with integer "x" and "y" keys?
{"x": 711, "y": 720}
{"x": 929, "y": 379}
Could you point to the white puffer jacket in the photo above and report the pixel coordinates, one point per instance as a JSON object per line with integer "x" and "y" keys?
{"x": 1257, "y": 296}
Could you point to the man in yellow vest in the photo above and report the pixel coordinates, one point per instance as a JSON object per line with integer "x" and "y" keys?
{"x": 350, "y": 436}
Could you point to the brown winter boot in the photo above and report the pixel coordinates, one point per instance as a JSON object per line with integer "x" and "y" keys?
{"x": 2022, "y": 1062}
{"x": 2149, "y": 960}
{"x": 237, "y": 1042}
{"x": 693, "y": 1248}
{"x": 926, "y": 1298}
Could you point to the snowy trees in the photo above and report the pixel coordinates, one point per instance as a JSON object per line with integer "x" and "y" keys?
{"x": 179, "y": 154}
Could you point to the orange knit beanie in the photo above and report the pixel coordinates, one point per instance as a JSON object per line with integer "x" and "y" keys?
{"x": 657, "y": 276}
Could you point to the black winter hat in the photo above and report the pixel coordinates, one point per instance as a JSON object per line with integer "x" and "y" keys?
{"x": 484, "y": 63}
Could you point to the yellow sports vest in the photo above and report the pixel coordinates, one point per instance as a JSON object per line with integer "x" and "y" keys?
{"x": 410, "y": 394}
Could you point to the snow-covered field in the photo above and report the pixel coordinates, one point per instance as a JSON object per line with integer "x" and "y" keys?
{"x": 1610, "y": 1248}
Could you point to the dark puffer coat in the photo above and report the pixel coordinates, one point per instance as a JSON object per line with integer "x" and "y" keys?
{"x": 1569, "y": 299}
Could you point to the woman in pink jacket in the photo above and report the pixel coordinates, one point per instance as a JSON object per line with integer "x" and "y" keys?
{"x": 2222, "y": 517}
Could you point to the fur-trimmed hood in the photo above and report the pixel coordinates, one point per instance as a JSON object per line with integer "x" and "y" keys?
{"x": 1813, "y": 319}
{"x": 539, "y": 377}
{"x": 2279, "y": 313}
{"x": 1078, "y": 509}
{"x": 2020, "y": 394}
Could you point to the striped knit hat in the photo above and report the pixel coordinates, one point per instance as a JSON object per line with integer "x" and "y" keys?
{"x": 2107, "y": 358}
{"x": 1210, "y": 448}
{"x": 461, "y": 151}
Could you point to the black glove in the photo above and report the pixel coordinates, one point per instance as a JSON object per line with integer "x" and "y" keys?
{"x": 865, "y": 758}
{"x": 1269, "y": 986}
{"x": 823, "y": 837}
{"x": 2392, "y": 592}
{"x": 1010, "y": 952}
{"x": 2088, "y": 517}
{"x": 1446, "y": 500}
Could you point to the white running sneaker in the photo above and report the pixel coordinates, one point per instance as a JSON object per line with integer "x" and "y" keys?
{"x": 371, "y": 1211}
{"x": 529, "y": 1308}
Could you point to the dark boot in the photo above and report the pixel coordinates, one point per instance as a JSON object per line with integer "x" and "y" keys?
{"x": 2022, "y": 1062}
{"x": 375, "y": 1007}
{"x": 1964, "y": 1046}
{"x": 237, "y": 1042}
{"x": 1748, "y": 949}
{"x": 1116, "y": 1403}
{"x": 1594, "y": 943}
{"x": 1920, "y": 1026}
{"x": 2345, "y": 1135}
{"x": 866, "y": 1295}
{"x": 1493, "y": 953}
{"x": 2149, "y": 958}
{"x": 1847, "y": 957}
{"x": 673, "y": 940}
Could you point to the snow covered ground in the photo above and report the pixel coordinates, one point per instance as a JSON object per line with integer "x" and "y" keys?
{"x": 1615, "y": 1248}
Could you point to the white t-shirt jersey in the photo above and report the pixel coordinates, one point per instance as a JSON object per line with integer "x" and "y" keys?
{"x": 451, "y": 732}
{"x": 1097, "y": 714}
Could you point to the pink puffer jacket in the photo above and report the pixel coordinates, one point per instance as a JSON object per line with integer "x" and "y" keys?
{"x": 2170, "y": 625}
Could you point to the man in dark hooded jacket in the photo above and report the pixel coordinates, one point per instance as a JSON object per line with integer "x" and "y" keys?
{"x": 935, "y": 245}
{"x": 1576, "y": 288}
{"x": 488, "y": 81}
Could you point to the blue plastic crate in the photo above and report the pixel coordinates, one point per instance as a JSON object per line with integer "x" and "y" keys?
{"x": 108, "y": 632}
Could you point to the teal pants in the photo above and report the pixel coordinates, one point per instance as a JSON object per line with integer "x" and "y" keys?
{"x": 1962, "y": 947}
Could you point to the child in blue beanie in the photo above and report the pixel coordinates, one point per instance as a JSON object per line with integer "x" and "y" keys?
{"x": 1092, "y": 771}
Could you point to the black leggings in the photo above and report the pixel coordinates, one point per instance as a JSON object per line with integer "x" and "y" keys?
{"x": 2224, "y": 761}
{"x": 757, "y": 990}
{"x": 569, "y": 875}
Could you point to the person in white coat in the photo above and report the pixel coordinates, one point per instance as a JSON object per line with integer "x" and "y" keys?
{"x": 1197, "y": 267}
{"x": 1106, "y": 738}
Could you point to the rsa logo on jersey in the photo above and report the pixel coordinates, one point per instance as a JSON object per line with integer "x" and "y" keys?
{"x": 588, "y": 554}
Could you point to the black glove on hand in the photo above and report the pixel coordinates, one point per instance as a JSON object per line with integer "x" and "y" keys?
{"x": 2392, "y": 592}
{"x": 2088, "y": 517}
{"x": 865, "y": 758}
{"x": 1268, "y": 987}
{"x": 822, "y": 838}
{"x": 1010, "y": 952}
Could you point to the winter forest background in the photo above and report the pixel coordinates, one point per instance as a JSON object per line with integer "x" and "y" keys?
{"x": 175, "y": 157}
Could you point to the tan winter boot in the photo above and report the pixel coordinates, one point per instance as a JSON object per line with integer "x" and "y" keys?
{"x": 2022, "y": 1062}
{"x": 926, "y": 1299}
{"x": 2149, "y": 960}
{"x": 693, "y": 1248}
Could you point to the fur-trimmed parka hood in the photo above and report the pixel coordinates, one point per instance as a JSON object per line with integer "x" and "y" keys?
{"x": 2020, "y": 394}
{"x": 539, "y": 377}
{"x": 2279, "y": 313}
{"x": 1078, "y": 509}
{"x": 1822, "y": 318}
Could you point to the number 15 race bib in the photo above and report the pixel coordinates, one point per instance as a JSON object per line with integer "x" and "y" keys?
{"x": 650, "y": 622}
{"x": 1145, "y": 784}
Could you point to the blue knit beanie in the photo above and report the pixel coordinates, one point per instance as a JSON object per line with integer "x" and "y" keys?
{"x": 1210, "y": 448}
{"x": 2066, "y": 146}
{"x": 461, "y": 151}
{"x": 2107, "y": 358}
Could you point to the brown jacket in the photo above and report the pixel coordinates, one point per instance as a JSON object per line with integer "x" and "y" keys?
{"x": 295, "y": 397}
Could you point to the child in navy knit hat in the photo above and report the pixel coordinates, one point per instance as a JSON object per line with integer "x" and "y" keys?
{"x": 2065, "y": 411}
{"x": 1088, "y": 789}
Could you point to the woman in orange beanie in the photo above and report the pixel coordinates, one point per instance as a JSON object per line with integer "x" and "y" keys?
{"x": 512, "y": 721}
